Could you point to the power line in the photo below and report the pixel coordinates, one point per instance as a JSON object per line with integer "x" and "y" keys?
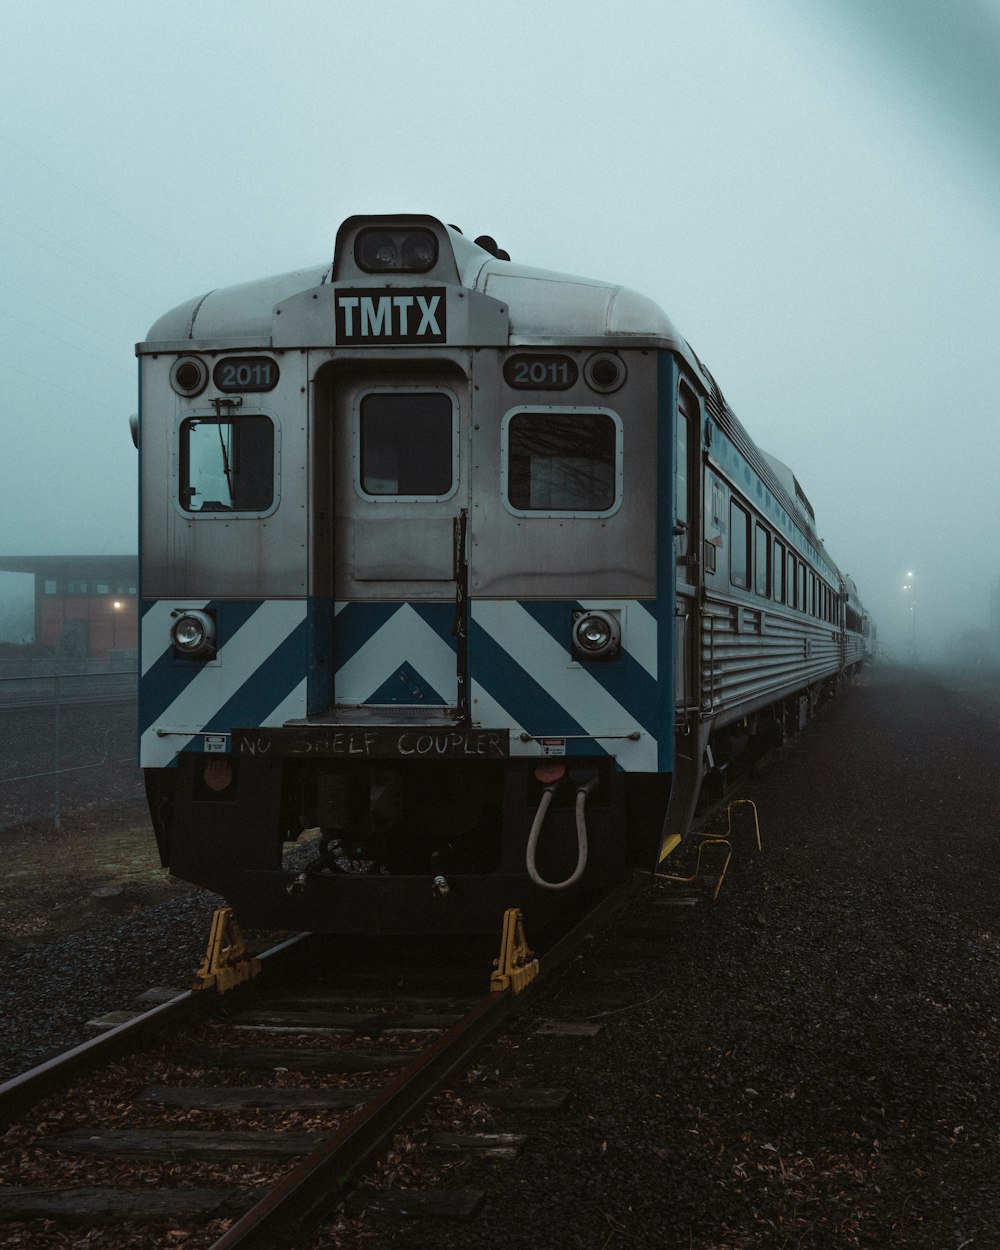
{"x": 67, "y": 260}
{"x": 48, "y": 308}
{"x": 107, "y": 208}
{"x": 55, "y": 337}
{"x": 9, "y": 368}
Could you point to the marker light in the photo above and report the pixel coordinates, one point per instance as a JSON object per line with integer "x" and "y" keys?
{"x": 596, "y": 635}
{"x": 604, "y": 372}
{"x": 396, "y": 251}
{"x": 193, "y": 634}
{"x": 189, "y": 376}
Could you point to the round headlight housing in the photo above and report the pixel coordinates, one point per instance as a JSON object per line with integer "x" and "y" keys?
{"x": 189, "y": 376}
{"x": 193, "y": 634}
{"x": 596, "y": 635}
{"x": 604, "y": 372}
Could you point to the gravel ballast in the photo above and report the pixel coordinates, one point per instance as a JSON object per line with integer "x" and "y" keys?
{"x": 806, "y": 1063}
{"x": 809, "y": 1063}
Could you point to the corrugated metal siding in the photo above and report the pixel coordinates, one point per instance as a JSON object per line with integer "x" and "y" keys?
{"x": 749, "y": 653}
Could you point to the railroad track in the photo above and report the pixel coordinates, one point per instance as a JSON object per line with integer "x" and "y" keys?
{"x": 247, "y": 1119}
{"x": 26, "y": 692}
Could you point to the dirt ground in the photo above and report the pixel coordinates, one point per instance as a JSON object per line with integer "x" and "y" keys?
{"x": 100, "y": 865}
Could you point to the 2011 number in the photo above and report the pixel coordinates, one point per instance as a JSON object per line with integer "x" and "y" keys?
{"x": 246, "y": 373}
{"x": 540, "y": 373}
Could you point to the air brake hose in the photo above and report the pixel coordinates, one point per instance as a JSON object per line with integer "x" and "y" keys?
{"x": 581, "y": 835}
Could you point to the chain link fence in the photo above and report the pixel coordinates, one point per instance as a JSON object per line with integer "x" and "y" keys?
{"x": 67, "y": 738}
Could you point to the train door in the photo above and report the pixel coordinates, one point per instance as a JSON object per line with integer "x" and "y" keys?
{"x": 687, "y": 476}
{"x": 399, "y": 507}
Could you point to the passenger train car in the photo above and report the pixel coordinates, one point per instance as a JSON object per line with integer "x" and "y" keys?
{"x": 466, "y": 564}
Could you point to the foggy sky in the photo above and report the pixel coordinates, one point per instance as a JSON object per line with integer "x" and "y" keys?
{"x": 809, "y": 190}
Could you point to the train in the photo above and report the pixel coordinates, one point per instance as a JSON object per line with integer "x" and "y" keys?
{"x": 462, "y": 588}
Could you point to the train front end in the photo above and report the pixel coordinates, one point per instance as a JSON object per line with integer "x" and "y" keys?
{"x": 408, "y": 587}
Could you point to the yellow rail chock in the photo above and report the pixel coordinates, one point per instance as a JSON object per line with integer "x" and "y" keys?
{"x": 228, "y": 961}
{"x": 670, "y": 845}
{"x": 517, "y": 966}
{"x": 703, "y": 839}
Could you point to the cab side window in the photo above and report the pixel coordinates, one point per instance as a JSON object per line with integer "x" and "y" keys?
{"x": 226, "y": 464}
{"x": 567, "y": 463}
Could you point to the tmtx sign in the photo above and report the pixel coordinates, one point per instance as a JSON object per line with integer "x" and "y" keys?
{"x": 380, "y": 316}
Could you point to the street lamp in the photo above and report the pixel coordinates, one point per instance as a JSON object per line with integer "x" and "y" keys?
{"x": 116, "y": 607}
{"x": 911, "y": 586}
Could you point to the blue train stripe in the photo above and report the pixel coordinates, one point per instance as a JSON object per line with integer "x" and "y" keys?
{"x": 668, "y": 376}
{"x": 641, "y": 632}
{"x": 407, "y": 686}
{"x": 498, "y": 672}
{"x": 440, "y": 617}
{"x": 571, "y": 687}
{"x": 355, "y": 623}
{"x": 165, "y": 676}
{"x": 197, "y": 699}
{"x": 399, "y": 638}
{"x": 267, "y": 687}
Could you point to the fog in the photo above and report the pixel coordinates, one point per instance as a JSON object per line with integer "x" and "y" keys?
{"x": 809, "y": 190}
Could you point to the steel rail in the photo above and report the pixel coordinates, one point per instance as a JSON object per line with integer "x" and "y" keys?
{"x": 311, "y": 1191}
{"x": 23, "y": 1091}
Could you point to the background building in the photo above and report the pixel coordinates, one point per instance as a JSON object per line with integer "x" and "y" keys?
{"x": 85, "y": 606}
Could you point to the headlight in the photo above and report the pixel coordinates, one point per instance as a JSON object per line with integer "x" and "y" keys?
{"x": 596, "y": 635}
{"x": 189, "y": 376}
{"x": 193, "y": 634}
{"x": 396, "y": 251}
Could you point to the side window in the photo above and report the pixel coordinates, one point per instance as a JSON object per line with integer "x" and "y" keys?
{"x": 408, "y": 444}
{"x": 803, "y": 598}
{"x": 739, "y": 546}
{"x": 762, "y": 561}
{"x": 811, "y": 596}
{"x": 226, "y": 464}
{"x": 779, "y": 572}
{"x": 562, "y": 462}
{"x": 791, "y": 582}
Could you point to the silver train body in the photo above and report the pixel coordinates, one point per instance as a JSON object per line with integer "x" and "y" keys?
{"x": 467, "y": 565}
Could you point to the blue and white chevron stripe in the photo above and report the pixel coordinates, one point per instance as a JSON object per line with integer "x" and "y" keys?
{"x": 257, "y": 678}
{"x": 391, "y": 653}
{"x": 522, "y": 676}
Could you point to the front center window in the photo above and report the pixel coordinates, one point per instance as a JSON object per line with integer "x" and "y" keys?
{"x": 408, "y": 444}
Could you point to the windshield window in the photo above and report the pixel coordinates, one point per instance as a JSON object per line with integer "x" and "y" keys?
{"x": 562, "y": 462}
{"x": 227, "y": 465}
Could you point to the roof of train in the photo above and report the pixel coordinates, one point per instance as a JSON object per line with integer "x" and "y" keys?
{"x": 544, "y": 306}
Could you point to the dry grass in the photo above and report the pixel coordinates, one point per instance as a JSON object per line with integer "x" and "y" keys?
{"x": 102, "y": 863}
